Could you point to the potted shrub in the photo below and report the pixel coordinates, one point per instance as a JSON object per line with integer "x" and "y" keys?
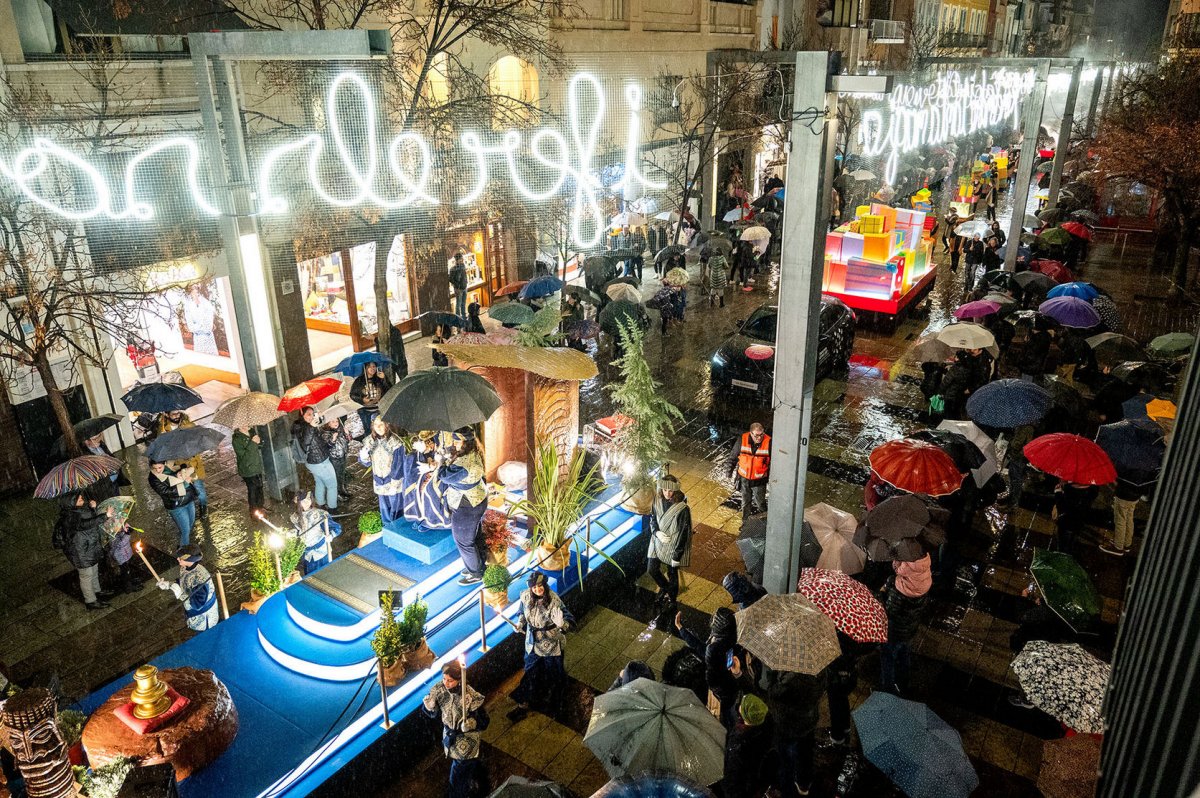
{"x": 70, "y": 724}
{"x": 497, "y": 536}
{"x": 387, "y": 644}
{"x": 106, "y": 782}
{"x": 556, "y": 504}
{"x": 370, "y": 526}
{"x": 417, "y": 654}
{"x": 496, "y": 580}
{"x": 264, "y": 577}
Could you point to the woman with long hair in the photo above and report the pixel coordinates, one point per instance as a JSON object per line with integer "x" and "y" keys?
{"x": 461, "y": 474}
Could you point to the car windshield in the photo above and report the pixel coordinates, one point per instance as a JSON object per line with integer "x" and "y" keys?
{"x": 761, "y": 325}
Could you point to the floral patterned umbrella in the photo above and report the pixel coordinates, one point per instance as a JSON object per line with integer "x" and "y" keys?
{"x": 849, "y": 602}
{"x": 789, "y": 633}
{"x": 1065, "y": 682}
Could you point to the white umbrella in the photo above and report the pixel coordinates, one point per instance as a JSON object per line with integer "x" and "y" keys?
{"x": 625, "y": 291}
{"x": 982, "y": 442}
{"x": 737, "y": 214}
{"x": 862, "y": 174}
{"x": 644, "y": 205}
{"x": 627, "y": 219}
{"x": 834, "y": 530}
{"x": 667, "y": 216}
{"x": 966, "y": 336}
{"x": 759, "y": 238}
{"x": 975, "y": 227}
{"x": 650, "y": 726}
{"x": 340, "y": 409}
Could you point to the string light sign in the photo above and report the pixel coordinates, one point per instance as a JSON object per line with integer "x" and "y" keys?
{"x": 953, "y": 105}
{"x": 353, "y": 168}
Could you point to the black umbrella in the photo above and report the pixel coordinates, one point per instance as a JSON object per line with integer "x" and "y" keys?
{"x": 598, "y": 270}
{"x": 610, "y": 318}
{"x": 623, "y": 253}
{"x": 901, "y": 528}
{"x": 1112, "y": 349}
{"x": 668, "y": 251}
{"x": 583, "y": 294}
{"x": 1136, "y": 449}
{"x": 183, "y": 444}
{"x": 443, "y": 399}
{"x": 767, "y": 202}
{"x": 962, "y": 451}
{"x": 752, "y": 543}
{"x": 1149, "y": 377}
{"x": 1068, "y": 408}
{"x": 160, "y": 397}
{"x": 91, "y": 427}
{"x": 519, "y": 787}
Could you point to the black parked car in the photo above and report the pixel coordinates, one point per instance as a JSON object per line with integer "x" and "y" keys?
{"x": 745, "y": 362}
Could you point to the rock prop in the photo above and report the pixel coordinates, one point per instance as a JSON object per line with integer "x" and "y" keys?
{"x": 190, "y": 741}
{"x": 38, "y": 749}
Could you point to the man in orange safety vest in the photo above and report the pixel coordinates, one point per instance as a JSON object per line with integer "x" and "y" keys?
{"x": 752, "y": 464}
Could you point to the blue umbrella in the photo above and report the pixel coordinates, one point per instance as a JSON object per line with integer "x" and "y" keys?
{"x": 652, "y": 785}
{"x": 1023, "y": 252}
{"x": 1008, "y": 403}
{"x": 160, "y": 397}
{"x": 540, "y": 286}
{"x": 1079, "y": 290}
{"x": 354, "y": 365}
{"x": 913, "y": 747}
{"x": 1136, "y": 448}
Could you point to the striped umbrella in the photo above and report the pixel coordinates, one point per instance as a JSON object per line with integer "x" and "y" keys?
{"x": 75, "y": 475}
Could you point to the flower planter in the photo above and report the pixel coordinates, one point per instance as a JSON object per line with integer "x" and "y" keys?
{"x": 641, "y": 502}
{"x": 496, "y": 599}
{"x": 256, "y": 598}
{"x": 364, "y": 538}
{"x": 392, "y": 675}
{"x": 418, "y": 658}
{"x": 497, "y": 557}
{"x": 553, "y": 559}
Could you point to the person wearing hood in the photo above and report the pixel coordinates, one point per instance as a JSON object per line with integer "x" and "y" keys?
{"x": 474, "y": 323}
{"x": 670, "y": 538}
{"x": 714, "y": 652}
{"x": 957, "y": 385}
{"x": 194, "y": 588}
{"x": 904, "y": 600}
{"x": 79, "y": 534}
{"x": 634, "y": 669}
{"x": 746, "y": 747}
{"x": 742, "y": 591}
{"x": 544, "y": 620}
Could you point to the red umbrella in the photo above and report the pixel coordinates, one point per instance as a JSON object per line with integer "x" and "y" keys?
{"x": 916, "y": 467}
{"x": 512, "y": 288}
{"x": 1071, "y": 458}
{"x": 855, "y": 611}
{"x": 1078, "y": 230}
{"x": 309, "y": 392}
{"x": 1053, "y": 269}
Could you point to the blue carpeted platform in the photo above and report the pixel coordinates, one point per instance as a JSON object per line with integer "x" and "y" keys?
{"x": 302, "y": 716}
{"x": 422, "y": 544}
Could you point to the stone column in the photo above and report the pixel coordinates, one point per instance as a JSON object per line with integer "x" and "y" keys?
{"x": 29, "y": 720}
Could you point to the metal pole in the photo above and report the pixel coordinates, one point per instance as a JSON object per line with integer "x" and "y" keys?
{"x": 1064, "y": 134}
{"x": 1033, "y": 122}
{"x": 387, "y": 719}
{"x": 1093, "y": 102}
{"x": 482, "y": 624}
{"x": 805, "y": 214}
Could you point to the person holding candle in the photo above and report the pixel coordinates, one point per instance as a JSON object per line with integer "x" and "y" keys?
{"x": 194, "y": 588}
{"x": 461, "y": 712}
{"x": 178, "y": 493}
{"x": 314, "y": 526}
{"x": 545, "y": 620}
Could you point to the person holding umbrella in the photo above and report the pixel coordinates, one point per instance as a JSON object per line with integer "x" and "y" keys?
{"x": 79, "y": 534}
{"x": 752, "y": 465}
{"x": 105, "y": 488}
{"x": 309, "y": 448}
{"x": 544, "y": 620}
{"x": 367, "y": 389}
{"x": 194, "y": 588}
{"x": 905, "y": 596}
{"x": 338, "y": 443}
{"x": 177, "y": 419}
{"x": 247, "y": 449}
{"x": 458, "y": 281}
{"x": 670, "y": 538}
{"x": 461, "y": 474}
{"x": 461, "y": 712}
{"x": 177, "y": 489}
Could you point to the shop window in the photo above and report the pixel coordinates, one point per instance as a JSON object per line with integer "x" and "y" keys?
{"x": 514, "y": 84}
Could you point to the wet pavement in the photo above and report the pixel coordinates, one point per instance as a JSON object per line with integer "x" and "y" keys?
{"x": 961, "y": 655}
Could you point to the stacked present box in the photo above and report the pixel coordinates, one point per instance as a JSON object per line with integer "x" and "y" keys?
{"x": 880, "y": 253}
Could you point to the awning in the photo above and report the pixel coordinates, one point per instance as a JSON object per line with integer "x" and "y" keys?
{"x": 141, "y": 18}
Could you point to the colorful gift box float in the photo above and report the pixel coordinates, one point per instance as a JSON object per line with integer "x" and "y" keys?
{"x": 881, "y": 260}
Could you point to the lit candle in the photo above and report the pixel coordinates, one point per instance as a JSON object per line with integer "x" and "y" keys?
{"x": 221, "y": 593}
{"x": 462, "y": 664}
{"x": 261, "y": 517}
{"x": 138, "y": 548}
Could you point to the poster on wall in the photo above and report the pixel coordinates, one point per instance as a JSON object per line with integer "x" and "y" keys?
{"x": 399, "y": 299}
{"x": 201, "y": 319}
{"x": 24, "y": 384}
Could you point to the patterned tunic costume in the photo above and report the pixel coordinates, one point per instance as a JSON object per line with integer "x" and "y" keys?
{"x": 311, "y": 527}
{"x": 388, "y": 461}
{"x": 195, "y": 589}
{"x": 545, "y": 621}
{"x": 466, "y": 493}
{"x": 446, "y": 705}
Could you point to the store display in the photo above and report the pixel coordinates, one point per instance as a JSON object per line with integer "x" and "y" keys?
{"x": 881, "y": 260}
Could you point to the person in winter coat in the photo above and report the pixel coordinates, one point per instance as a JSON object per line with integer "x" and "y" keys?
{"x": 178, "y": 493}
{"x": 247, "y": 448}
{"x": 746, "y": 747}
{"x": 104, "y": 488}
{"x": 957, "y": 385}
{"x": 931, "y": 382}
{"x": 544, "y": 620}
{"x": 367, "y": 389}
{"x": 670, "y": 538}
{"x": 744, "y": 263}
{"x": 120, "y": 551}
{"x": 306, "y": 434}
{"x": 458, "y": 281}
{"x": 78, "y": 532}
{"x": 1032, "y": 362}
{"x": 904, "y": 599}
{"x": 1079, "y": 361}
{"x": 991, "y": 255}
{"x": 842, "y": 679}
{"x": 742, "y": 591}
{"x": 177, "y": 419}
{"x": 474, "y": 323}
{"x": 1071, "y": 503}
{"x": 717, "y": 280}
{"x": 462, "y": 718}
{"x": 974, "y": 250}
{"x": 194, "y": 588}
{"x": 714, "y": 652}
{"x": 338, "y": 443}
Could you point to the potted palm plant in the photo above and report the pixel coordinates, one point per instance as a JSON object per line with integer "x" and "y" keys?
{"x": 417, "y": 654}
{"x": 556, "y": 504}
{"x": 264, "y": 576}
{"x": 640, "y": 445}
{"x": 496, "y": 580}
{"x": 387, "y": 644}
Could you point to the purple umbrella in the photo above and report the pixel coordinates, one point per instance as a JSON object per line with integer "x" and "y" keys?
{"x": 1070, "y": 311}
{"x": 976, "y": 310}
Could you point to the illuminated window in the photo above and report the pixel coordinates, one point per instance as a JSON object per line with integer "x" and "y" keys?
{"x": 512, "y": 79}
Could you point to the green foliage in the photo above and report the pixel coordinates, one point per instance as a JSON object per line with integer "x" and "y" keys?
{"x": 386, "y": 643}
{"x": 105, "y": 782}
{"x": 70, "y": 725}
{"x": 542, "y": 329}
{"x": 370, "y": 523}
{"x": 644, "y": 443}
{"x": 263, "y": 578}
{"x": 497, "y": 577}
{"x": 412, "y": 625}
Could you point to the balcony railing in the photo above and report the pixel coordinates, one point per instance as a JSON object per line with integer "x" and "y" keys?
{"x": 887, "y": 31}
{"x": 962, "y": 41}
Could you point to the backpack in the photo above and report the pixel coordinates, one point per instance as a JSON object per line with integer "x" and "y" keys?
{"x": 298, "y": 453}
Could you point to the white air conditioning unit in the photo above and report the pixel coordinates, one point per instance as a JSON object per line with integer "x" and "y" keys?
{"x": 886, "y": 31}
